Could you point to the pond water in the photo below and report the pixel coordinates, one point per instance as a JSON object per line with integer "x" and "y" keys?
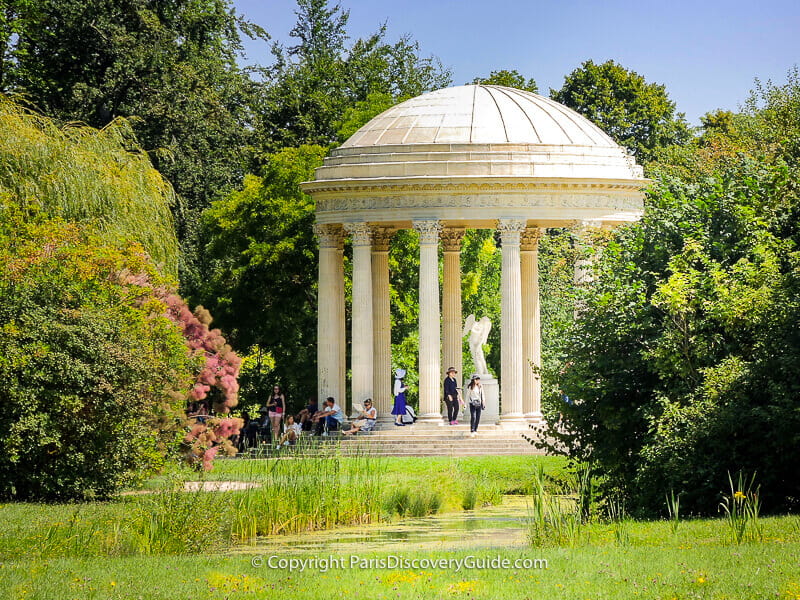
{"x": 490, "y": 526}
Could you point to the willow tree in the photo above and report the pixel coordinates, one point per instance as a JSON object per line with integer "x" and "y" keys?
{"x": 79, "y": 173}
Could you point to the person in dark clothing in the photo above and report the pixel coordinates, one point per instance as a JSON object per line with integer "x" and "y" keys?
{"x": 451, "y": 397}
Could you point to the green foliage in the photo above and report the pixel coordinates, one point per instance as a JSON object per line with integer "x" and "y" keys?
{"x": 171, "y": 64}
{"x": 94, "y": 371}
{"x": 79, "y": 173}
{"x": 362, "y": 112}
{"x": 312, "y": 86}
{"x": 510, "y": 79}
{"x": 686, "y": 353}
{"x": 637, "y": 114}
{"x": 262, "y": 266}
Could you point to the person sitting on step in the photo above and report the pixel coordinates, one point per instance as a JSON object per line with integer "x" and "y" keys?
{"x": 329, "y": 418}
{"x": 292, "y": 433}
{"x": 366, "y": 419}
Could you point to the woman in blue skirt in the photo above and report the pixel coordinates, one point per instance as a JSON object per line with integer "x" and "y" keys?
{"x": 399, "y": 397}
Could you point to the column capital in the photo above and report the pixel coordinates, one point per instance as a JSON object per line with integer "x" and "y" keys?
{"x": 510, "y": 230}
{"x": 451, "y": 238}
{"x": 428, "y": 231}
{"x": 529, "y": 239}
{"x": 360, "y": 233}
{"x": 381, "y": 236}
{"x": 330, "y": 236}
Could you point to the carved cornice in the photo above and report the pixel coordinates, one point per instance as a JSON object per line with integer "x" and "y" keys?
{"x": 451, "y": 238}
{"x": 330, "y": 236}
{"x": 381, "y": 236}
{"x": 360, "y": 233}
{"x": 428, "y": 231}
{"x": 529, "y": 239}
{"x": 423, "y": 184}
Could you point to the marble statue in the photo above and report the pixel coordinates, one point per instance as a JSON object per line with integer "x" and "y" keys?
{"x": 478, "y": 332}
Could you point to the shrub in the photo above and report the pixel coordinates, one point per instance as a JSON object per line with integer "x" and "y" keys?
{"x": 94, "y": 371}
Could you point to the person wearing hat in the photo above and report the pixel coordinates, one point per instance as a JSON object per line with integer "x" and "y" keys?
{"x": 400, "y": 389}
{"x": 476, "y": 403}
{"x": 451, "y": 397}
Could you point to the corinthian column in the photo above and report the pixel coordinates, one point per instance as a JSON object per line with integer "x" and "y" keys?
{"x": 362, "y": 311}
{"x": 381, "y": 323}
{"x": 451, "y": 298}
{"x": 511, "y": 357}
{"x": 531, "y": 324}
{"x": 330, "y": 292}
{"x": 429, "y": 339}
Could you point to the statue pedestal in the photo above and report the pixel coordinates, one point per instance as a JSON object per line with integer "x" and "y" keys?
{"x": 491, "y": 397}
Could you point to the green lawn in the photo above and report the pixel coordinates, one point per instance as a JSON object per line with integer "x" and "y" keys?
{"x": 654, "y": 565}
{"x": 59, "y": 551}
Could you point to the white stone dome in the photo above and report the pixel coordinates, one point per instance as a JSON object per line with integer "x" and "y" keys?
{"x": 479, "y": 114}
{"x": 477, "y": 153}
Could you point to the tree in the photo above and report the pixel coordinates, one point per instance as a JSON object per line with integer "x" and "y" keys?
{"x": 636, "y": 114}
{"x": 94, "y": 372}
{"x": 262, "y": 259}
{"x": 79, "y": 173}
{"x": 262, "y": 265}
{"x": 685, "y": 355}
{"x": 510, "y": 79}
{"x": 171, "y": 64}
{"x": 312, "y": 84}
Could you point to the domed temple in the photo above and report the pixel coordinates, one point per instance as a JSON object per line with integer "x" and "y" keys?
{"x": 474, "y": 156}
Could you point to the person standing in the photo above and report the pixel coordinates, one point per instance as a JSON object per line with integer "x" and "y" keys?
{"x": 400, "y": 389}
{"x": 276, "y": 405}
{"x": 451, "y": 397}
{"x": 476, "y": 404}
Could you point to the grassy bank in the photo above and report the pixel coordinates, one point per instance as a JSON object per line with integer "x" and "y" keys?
{"x": 291, "y": 496}
{"x": 696, "y": 563}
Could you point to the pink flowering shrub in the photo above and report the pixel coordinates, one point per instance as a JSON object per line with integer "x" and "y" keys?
{"x": 217, "y": 378}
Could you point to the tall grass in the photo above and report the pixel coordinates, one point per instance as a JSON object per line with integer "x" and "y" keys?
{"x": 290, "y": 496}
{"x": 674, "y": 509}
{"x": 553, "y": 519}
{"x": 741, "y": 509}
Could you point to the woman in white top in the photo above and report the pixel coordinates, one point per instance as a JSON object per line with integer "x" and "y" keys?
{"x": 476, "y": 403}
{"x": 293, "y": 430}
{"x": 366, "y": 419}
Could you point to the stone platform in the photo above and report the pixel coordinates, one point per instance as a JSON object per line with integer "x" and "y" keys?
{"x": 419, "y": 440}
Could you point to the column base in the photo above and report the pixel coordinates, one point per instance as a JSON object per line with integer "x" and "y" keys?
{"x": 430, "y": 419}
{"x": 513, "y": 422}
{"x": 534, "y": 417}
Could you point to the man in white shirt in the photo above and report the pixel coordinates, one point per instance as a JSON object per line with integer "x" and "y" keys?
{"x": 331, "y": 416}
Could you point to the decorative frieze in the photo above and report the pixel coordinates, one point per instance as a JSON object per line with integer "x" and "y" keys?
{"x": 627, "y": 201}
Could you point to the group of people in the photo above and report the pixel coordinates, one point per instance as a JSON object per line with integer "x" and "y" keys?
{"x": 330, "y": 417}
{"x": 452, "y": 398}
{"x": 317, "y": 420}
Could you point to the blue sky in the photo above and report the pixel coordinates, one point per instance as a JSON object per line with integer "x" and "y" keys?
{"x": 706, "y": 52}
